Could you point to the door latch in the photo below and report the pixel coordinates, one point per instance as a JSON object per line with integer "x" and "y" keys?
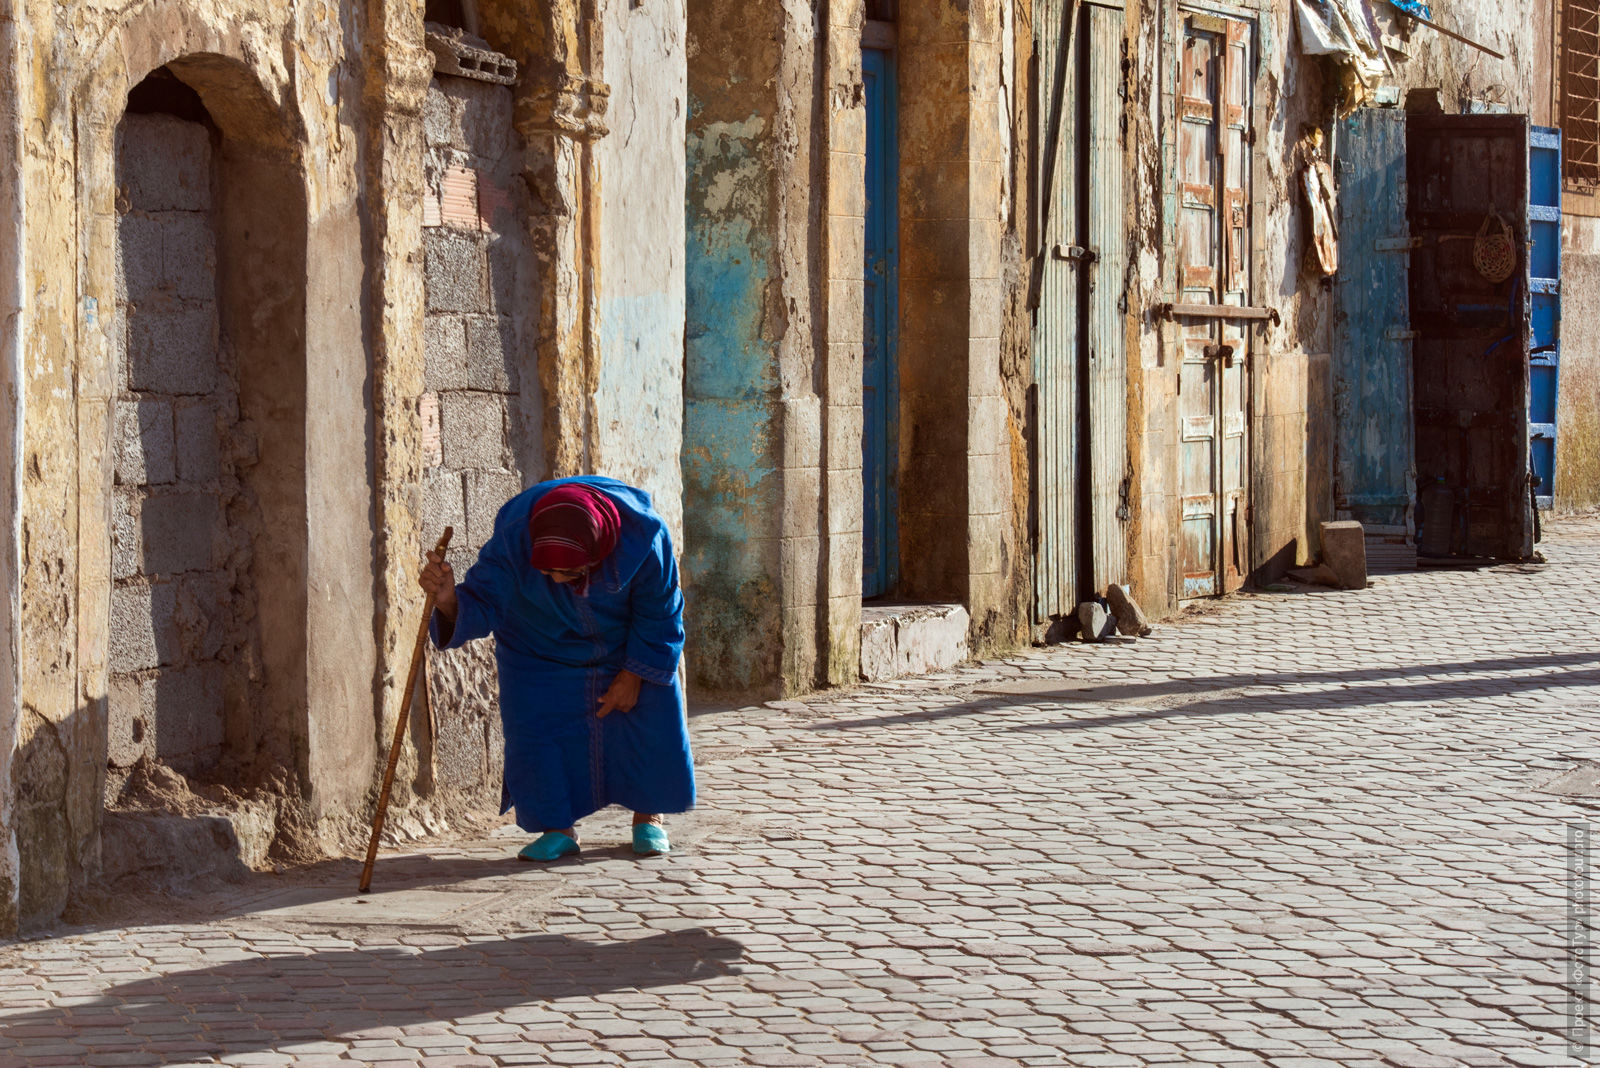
{"x": 1224, "y": 352}
{"x": 1076, "y": 253}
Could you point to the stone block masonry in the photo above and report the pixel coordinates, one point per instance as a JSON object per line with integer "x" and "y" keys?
{"x": 478, "y": 336}
{"x": 175, "y": 595}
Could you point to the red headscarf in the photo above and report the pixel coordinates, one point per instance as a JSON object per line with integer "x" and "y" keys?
{"x": 574, "y": 528}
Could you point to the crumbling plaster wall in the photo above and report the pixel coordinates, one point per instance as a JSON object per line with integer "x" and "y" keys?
{"x": 639, "y": 403}
{"x": 1577, "y": 474}
{"x": 1291, "y": 392}
{"x": 276, "y": 77}
{"x": 13, "y": 105}
{"x": 751, "y": 439}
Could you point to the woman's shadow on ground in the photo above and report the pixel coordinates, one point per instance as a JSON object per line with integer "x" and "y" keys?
{"x": 262, "y": 1003}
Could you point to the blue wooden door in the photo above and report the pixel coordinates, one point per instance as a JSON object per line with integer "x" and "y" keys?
{"x": 879, "y": 392}
{"x": 1374, "y": 469}
{"x": 1544, "y": 285}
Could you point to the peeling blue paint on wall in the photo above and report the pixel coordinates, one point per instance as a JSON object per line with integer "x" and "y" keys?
{"x": 731, "y": 386}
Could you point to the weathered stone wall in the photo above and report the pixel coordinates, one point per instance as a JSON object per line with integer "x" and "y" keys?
{"x": 1578, "y": 405}
{"x": 639, "y": 397}
{"x": 482, "y": 410}
{"x": 748, "y": 306}
{"x": 183, "y": 602}
{"x": 13, "y": 104}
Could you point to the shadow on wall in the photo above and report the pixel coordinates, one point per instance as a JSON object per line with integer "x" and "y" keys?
{"x": 57, "y": 774}
{"x": 271, "y": 1001}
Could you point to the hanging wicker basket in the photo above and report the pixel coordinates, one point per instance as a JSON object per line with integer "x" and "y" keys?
{"x": 1494, "y": 253}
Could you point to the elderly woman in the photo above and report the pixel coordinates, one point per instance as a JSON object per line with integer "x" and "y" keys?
{"x": 579, "y": 588}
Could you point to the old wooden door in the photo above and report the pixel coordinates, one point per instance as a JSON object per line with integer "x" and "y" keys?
{"x": 1469, "y": 177}
{"x": 1106, "y": 243}
{"x": 1374, "y": 477}
{"x": 1215, "y": 73}
{"x": 879, "y": 385}
{"x": 1544, "y": 284}
{"x": 1079, "y": 363}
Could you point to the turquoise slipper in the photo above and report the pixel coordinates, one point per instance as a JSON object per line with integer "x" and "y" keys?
{"x": 650, "y": 840}
{"x": 551, "y": 845}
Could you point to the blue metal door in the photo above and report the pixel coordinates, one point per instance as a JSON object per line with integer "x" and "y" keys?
{"x": 879, "y": 391}
{"x": 1544, "y": 285}
{"x": 1374, "y": 469}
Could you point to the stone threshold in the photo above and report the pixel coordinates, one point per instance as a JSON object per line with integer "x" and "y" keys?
{"x": 898, "y": 640}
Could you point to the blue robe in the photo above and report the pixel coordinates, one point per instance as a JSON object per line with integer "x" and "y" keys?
{"x": 558, "y": 652}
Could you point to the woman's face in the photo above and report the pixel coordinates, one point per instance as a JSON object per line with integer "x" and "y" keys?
{"x": 562, "y": 576}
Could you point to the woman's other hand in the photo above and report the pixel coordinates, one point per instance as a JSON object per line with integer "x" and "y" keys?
{"x": 622, "y": 696}
{"x": 439, "y": 581}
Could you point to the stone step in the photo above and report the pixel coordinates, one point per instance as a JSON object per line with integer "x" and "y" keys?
{"x": 911, "y": 639}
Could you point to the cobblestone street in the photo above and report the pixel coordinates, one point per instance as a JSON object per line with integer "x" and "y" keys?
{"x": 1299, "y": 829}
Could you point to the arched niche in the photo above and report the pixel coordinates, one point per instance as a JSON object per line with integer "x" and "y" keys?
{"x": 205, "y": 383}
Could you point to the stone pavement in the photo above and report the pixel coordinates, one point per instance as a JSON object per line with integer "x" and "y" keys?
{"x": 1299, "y": 829}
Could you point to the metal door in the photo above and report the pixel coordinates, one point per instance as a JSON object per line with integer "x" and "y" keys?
{"x": 1374, "y": 476}
{"x": 1056, "y": 336}
{"x": 1215, "y": 73}
{"x": 1544, "y": 258}
{"x": 1079, "y": 362}
{"x": 881, "y": 315}
{"x": 1468, "y": 176}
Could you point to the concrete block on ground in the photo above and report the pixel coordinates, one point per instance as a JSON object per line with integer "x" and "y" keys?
{"x": 165, "y": 163}
{"x": 492, "y": 354}
{"x": 141, "y": 627}
{"x": 173, "y": 351}
{"x": 911, "y": 639}
{"x": 1094, "y": 622}
{"x": 455, "y": 271}
{"x": 178, "y": 532}
{"x": 144, "y": 448}
{"x": 444, "y": 352}
{"x": 472, "y": 430}
{"x": 487, "y": 491}
{"x": 175, "y": 852}
{"x": 1129, "y": 616}
{"x": 199, "y": 452}
{"x": 877, "y": 649}
{"x": 1344, "y": 549}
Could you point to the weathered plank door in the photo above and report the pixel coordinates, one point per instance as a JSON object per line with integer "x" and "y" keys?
{"x": 1056, "y": 334}
{"x": 1374, "y": 476}
{"x": 879, "y": 386}
{"x": 1215, "y": 75}
{"x": 1468, "y": 175}
{"x": 1106, "y": 241}
{"x": 1079, "y": 350}
{"x": 1544, "y": 257}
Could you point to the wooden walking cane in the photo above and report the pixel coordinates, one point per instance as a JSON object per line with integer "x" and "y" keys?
{"x": 400, "y": 726}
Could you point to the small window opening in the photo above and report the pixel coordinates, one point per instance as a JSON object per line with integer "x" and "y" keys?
{"x": 881, "y": 10}
{"x": 1580, "y": 92}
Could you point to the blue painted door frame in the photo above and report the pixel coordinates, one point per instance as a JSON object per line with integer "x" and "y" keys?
{"x": 880, "y": 399}
{"x": 1544, "y": 286}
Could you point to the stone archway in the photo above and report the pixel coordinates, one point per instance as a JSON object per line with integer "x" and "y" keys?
{"x": 206, "y": 376}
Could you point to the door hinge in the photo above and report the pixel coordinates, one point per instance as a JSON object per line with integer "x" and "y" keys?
{"x": 1396, "y": 333}
{"x": 1397, "y": 244}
